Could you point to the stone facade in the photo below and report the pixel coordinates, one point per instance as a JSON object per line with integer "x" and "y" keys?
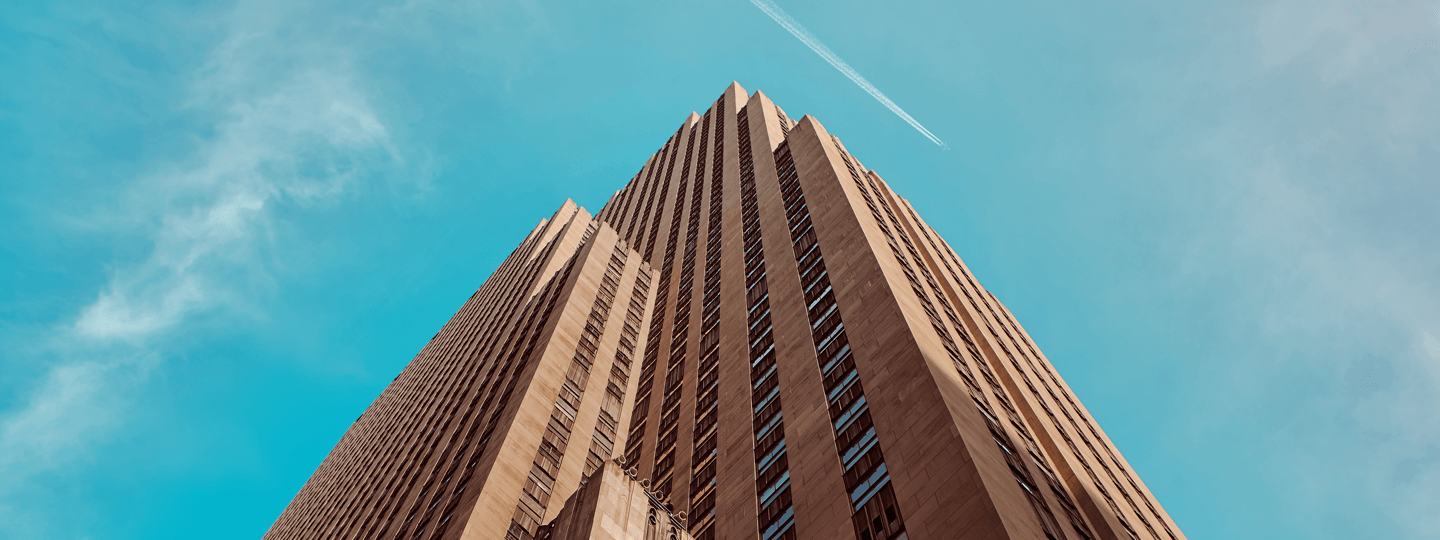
{"x": 613, "y": 505}
{"x": 773, "y": 343}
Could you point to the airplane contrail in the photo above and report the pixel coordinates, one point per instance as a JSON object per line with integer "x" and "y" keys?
{"x": 814, "y": 43}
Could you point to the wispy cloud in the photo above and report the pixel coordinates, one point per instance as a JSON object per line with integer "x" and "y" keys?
{"x": 291, "y": 127}
{"x": 75, "y": 401}
{"x": 799, "y": 31}
{"x": 303, "y": 141}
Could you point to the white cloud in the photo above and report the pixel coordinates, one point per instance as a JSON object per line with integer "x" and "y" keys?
{"x": 74, "y": 402}
{"x": 293, "y": 126}
{"x": 289, "y": 126}
{"x": 304, "y": 142}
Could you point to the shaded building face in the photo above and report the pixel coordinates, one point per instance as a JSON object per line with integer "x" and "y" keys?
{"x": 760, "y": 336}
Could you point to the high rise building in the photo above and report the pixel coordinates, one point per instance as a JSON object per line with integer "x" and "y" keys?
{"x": 756, "y": 338}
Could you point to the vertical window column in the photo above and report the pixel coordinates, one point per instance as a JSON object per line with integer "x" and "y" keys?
{"x": 772, "y": 465}
{"x": 647, "y": 194}
{"x": 876, "y": 514}
{"x": 909, "y": 265}
{"x": 603, "y": 442}
{"x": 702, "y": 462}
{"x": 665, "y": 450}
{"x": 540, "y": 483}
{"x": 635, "y": 442}
{"x": 658, "y": 199}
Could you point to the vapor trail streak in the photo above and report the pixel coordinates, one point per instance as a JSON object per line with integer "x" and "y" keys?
{"x": 811, "y": 41}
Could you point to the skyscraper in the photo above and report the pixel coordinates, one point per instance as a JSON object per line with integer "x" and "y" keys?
{"x": 761, "y": 338}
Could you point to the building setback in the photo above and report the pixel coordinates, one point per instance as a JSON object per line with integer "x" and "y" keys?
{"x": 763, "y": 339}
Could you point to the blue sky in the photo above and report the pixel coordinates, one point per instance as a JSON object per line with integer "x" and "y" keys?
{"x": 226, "y": 226}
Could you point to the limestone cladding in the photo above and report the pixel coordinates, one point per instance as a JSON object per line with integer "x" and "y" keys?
{"x": 753, "y": 284}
